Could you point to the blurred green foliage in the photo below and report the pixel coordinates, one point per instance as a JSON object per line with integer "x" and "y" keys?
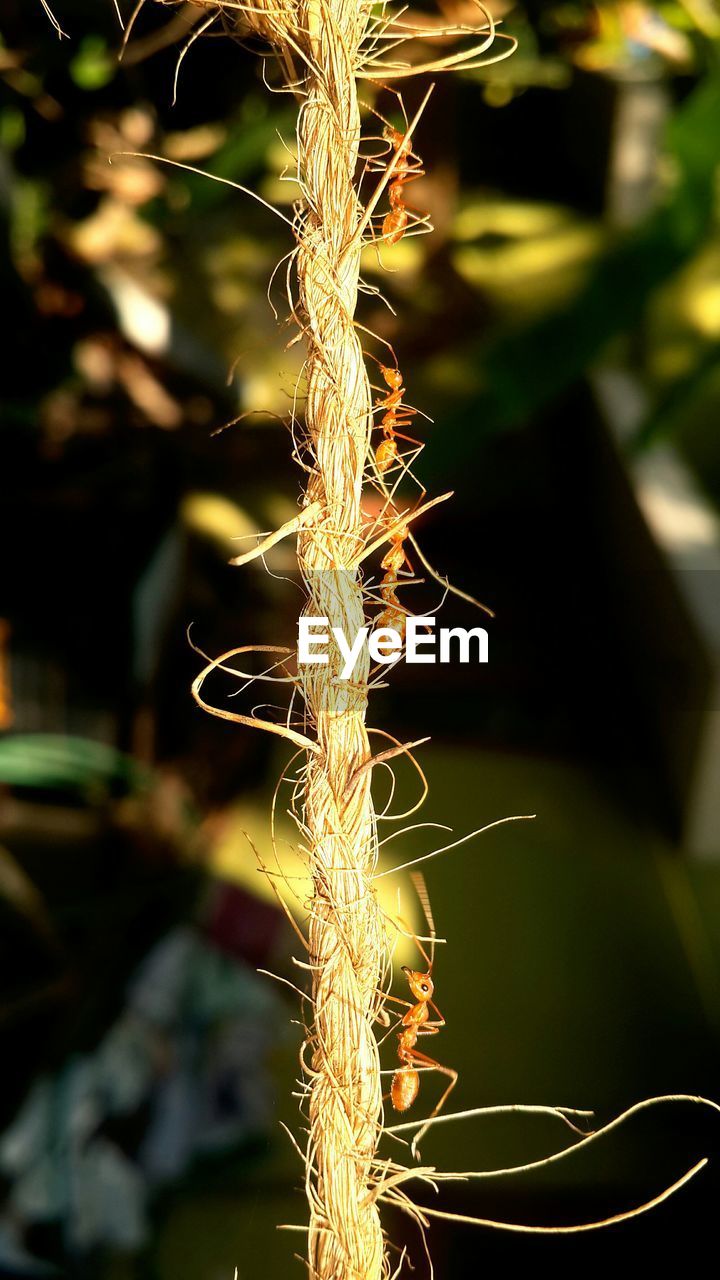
{"x": 71, "y": 765}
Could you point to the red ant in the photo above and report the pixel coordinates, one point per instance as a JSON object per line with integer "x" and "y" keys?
{"x": 395, "y": 558}
{"x": 408, "y": 168}
{"x": 395, "y": 415}
{"x": 416, "y": 1022}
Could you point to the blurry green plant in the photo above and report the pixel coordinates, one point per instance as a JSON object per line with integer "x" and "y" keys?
{"x": 74, "y": 765}
{"x": 93, "y": 65}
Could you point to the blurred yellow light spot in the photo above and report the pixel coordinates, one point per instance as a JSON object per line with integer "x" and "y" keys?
{"x": 195, "y": 144}
{"x": 703, "y": 309}
{"x": 508, "y": 218}
{"x": 404, "y": 257}
{"x": 231, "y": 296}
{"x": 265, "y": 395}
{"x": 452, "y": 375}
{"x": 212, "y": 516}
{"x": 498, "y": 93}
{"x": 531, "y": 275}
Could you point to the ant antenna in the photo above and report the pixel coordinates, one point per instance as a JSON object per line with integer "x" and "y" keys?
{"x": 418, "y": 880}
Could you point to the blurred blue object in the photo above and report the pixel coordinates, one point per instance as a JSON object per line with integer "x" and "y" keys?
{"x": 189, "y": 1049}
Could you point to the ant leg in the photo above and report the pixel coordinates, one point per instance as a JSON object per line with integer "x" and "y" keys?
{"x": 422, "y": 1060}
{"x": 391, "y": 1026}
{"x": 383, "y": 1017}
{"x": 398, "y": 435}
{"x": 376, "y": 242}
{"x": 408, "y": 1004}
{"x": 411, "y": 171}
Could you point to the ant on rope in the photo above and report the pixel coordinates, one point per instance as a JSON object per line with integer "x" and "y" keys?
{"x": 416, "y": 1022}
{"x": 408, "y": 168}
{"x": 395, "y": 558}
{"x": 395, "y": 415}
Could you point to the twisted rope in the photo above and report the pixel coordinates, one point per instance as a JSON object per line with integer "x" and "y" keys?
{"x": 346, "y": 936}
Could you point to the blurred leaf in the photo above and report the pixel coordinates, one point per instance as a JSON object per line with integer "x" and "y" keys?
{"x": 93, "y": 67}
{"x": 68, "y": 764}
{"x": 12, "y": 128}
{"x": 29, "y": 218}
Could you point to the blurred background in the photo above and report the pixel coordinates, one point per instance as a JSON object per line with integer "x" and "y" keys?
{"x": 561, "y": 329}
